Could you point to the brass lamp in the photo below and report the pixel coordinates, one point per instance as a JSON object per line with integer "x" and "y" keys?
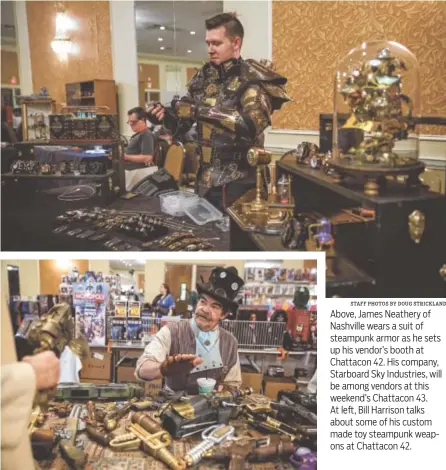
{"x": 259, "y": 158}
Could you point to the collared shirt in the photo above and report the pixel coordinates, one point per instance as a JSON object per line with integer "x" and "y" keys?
{"x": 141, "y": 143}
{"x": 158, "y": 351}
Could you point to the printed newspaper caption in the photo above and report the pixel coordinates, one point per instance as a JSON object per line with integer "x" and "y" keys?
{"x": 385, "y": 361}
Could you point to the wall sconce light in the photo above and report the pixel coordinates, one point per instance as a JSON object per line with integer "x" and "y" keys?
{"x": 62, "y": 44}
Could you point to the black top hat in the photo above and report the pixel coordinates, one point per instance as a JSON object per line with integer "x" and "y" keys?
{"x": 301, "y": 297}
{"x": 223, "y": 285}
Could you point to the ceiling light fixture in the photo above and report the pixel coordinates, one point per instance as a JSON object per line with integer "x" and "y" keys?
{"x": 162, "y": 48}
{"x": 189, "y": 51}
{"x": 160, "y": 39}
{"x": 192, "y": 32}
{"x": 162, "y": 28}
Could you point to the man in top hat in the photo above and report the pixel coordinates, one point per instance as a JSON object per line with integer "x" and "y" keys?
{"x": 184, "y": 351}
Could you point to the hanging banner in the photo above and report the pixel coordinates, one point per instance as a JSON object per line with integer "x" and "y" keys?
{"x": 90, "y": 302}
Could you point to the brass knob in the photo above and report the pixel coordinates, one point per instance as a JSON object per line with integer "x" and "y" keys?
{"x": 443, "y": 272}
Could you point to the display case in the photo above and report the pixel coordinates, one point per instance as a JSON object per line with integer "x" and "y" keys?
{"x": 93, "y": 93}
{"x": 86, "y": 123}
{"x": 378, "y": 86}
{"x": 35, "y": 119}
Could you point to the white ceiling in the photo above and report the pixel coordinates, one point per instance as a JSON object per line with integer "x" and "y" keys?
{"x": 179, "y": 17}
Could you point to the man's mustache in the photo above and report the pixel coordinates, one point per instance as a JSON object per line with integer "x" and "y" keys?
{"x": 200, "y": 313}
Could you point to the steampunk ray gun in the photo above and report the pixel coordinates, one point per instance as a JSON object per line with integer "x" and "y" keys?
{"x": 265, "y": 415}
{"x": 251, "y": 449}
{"x": 190, "y": 415}
{"x": 146, "y": 433}
{"x": 51, "y": 332}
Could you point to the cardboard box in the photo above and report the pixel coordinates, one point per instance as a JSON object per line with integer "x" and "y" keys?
{"x": 95, "y": 381}
{"x": 273, "y": 385}
{"x": 126, "y": 371}
{"x": 97, "y": 366}
{"x": 251, "y": 378}
{"x": 153, "y": 387}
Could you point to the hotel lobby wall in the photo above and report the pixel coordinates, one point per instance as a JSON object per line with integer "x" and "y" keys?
{"x": 155, "y": 272}
{"x": 50, "y": 273}
{"x": 310, "y": 38}
{"x": 91, "y": 38}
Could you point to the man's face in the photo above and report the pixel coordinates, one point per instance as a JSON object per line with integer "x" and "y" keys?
{"x": 208, "y": 313}
{"x": 136, "y": 124}
{"x": 221, "y": 47}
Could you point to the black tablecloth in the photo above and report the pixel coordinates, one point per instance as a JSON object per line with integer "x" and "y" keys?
{"x": 56, "y": 154}
{"x": 28, "y": 222}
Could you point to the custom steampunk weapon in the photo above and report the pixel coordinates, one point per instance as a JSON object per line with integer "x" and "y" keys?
{"x": 51, "y": 332}
{"x": 191, "y": 415}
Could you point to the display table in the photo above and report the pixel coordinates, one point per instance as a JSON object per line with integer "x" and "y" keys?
{"x": 121, "y": 349}
{"x": 28, "y": 223}
{"x": 349, "y": 279}
{"x": 99, "y": 457}
{"x": 404, "y": 258}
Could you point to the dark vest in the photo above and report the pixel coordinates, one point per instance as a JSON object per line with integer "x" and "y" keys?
{"x": 183, "y": 341}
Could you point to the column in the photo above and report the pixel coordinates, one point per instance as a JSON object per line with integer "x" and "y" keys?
{"x": 23, "y": 53}
{"x": 256, "y": 17}
{"x": 154, "y": 276}
{"x": 125, "y": 58}
{"x": 99, "y": 266}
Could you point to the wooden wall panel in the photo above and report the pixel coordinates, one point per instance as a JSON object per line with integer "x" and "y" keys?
{"x": 149, "y": 70}
{"x": 50, "y": 274}
{"x": 310, "y": 263}
{"x": 10, "y": 66}
{"x": 310, "y": 38}
{"x": 177, "y": 274}
{"x": 92, "y": 38}
{"x": 190, "y": 72}
{"x": 141, "y": 280}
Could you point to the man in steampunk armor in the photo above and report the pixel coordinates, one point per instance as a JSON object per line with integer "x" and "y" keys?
{"x": 231, "y": 101}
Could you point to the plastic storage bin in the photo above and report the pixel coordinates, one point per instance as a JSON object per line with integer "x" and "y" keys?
{"x": 202, "y": 212}
{"x": 175, "y": 202}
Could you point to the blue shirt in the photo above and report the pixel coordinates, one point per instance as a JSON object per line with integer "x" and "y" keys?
{"x": 167, "y": 302}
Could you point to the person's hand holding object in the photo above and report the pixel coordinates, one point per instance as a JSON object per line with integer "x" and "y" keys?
{"x": 46, "y": 366}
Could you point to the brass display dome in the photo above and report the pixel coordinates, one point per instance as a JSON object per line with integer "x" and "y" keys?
{"x": 376, "y": 101}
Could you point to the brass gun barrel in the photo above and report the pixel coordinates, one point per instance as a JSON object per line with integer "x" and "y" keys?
{"x": 156, "y": 446}
{"x": 100, "y": 437}
{"x": 146, "y": 422}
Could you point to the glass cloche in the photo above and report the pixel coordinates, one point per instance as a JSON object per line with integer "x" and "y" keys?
{"x": 376, "y": 98}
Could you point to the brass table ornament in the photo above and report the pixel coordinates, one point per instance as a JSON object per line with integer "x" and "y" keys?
{"x": 417, "y": 222}
{"x": 266, "y": 215}
{"x": 377, "y": 87}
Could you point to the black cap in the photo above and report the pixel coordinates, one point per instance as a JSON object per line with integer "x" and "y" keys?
{"x": 301, "y": 297}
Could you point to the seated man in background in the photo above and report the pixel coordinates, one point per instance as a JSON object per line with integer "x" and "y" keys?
{"x": 139, "y": 155}
{"x": 184, "y": 351}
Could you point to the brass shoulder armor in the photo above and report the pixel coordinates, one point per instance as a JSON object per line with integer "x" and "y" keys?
{"x": 256, "y": 73}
